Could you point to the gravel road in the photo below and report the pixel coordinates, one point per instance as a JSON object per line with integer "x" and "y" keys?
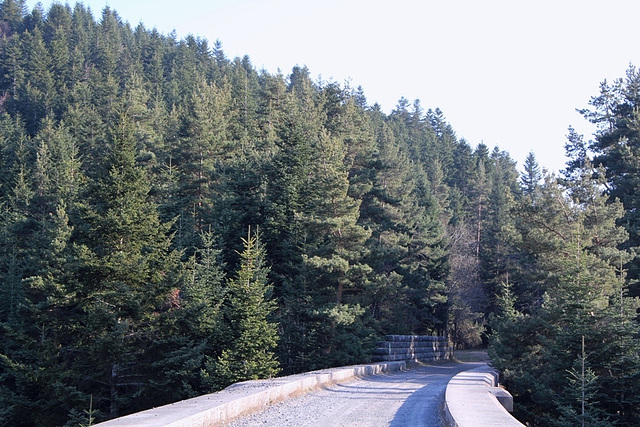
{"x": 410, "y": 398}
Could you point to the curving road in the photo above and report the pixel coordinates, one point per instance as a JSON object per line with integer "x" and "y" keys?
{"x": 410, "y": 398}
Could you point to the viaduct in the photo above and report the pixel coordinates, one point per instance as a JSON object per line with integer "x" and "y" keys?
{"x": 472, "y": 398}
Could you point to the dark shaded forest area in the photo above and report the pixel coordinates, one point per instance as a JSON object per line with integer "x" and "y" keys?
{"x": 173, "y": 221}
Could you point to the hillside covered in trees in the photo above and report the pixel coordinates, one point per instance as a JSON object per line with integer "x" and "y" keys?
{"x": 173, "y": 221}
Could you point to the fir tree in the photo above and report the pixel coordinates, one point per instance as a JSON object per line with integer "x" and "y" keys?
{"x": 252, "y": 337}
{"x": 531, "y": 176}
{"x": 126, "y": 277}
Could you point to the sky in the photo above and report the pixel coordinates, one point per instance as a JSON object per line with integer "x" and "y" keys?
{"x": 505, "y": 73}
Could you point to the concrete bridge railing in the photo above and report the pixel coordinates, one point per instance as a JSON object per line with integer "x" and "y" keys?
{"x": 473, "y": 399}
{"x": 246, "y": 397}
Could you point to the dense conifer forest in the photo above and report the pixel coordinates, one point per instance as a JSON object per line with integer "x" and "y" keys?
{"x": 173, "y": 221}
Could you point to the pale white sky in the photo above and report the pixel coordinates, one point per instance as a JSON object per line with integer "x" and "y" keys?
{"x": 504, "y": 72}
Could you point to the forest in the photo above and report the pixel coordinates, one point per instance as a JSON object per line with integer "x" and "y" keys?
{"x": 173, "y": 221}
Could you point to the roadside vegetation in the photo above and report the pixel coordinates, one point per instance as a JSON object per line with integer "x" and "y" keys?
{"x": 173, "y": 221}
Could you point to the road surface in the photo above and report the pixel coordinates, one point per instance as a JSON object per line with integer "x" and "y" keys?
{"x": 409, "y": 398}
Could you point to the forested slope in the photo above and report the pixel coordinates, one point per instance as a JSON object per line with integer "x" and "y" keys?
{"x": 173, "y": 221}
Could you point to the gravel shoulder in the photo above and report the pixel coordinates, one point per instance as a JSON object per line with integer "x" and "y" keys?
{"x": 408, "y": 398}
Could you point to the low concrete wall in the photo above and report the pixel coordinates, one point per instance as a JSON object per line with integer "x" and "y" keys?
{"x": 246, "y": 397}
{"x": 412, "y": 347}
{"x": 473, "y": 399}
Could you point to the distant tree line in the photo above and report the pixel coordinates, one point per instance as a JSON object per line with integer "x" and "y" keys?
{"x": 173, "y": 221}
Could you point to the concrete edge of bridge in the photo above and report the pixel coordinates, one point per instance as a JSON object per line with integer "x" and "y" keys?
{"x": 246, "y": 397}
{"x": 473, "y": 398}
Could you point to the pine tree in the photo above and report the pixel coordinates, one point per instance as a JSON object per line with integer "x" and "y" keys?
{"x": 578, "y": 251}
{"x": 616, "y": 148}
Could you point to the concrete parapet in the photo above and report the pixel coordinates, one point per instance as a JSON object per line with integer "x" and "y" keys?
{"x": 245, "y": 397}
{"x": 503, "y": 396}
{"x": 473, "y": 399}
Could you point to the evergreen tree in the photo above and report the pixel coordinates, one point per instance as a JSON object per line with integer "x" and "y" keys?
{"x": 531, "y": 176}
{"x": 616, "y": 148}
{"x": 479, "y": 197}
{"x": 467, "y": 295}
{"x": 460, "y": 182}
{"x": 498, "y": 255}
{"x": 192, "y": 331}
{"x": 123, "y": 152}
{"x": 252, "y": 337}
{"x": 322, "y": 237}
{"x": 12, "y": 13}
{"x": 126, "y": 278}
{"x": 406, "y": 248}
{"x": 34, "y": 86}
{"x": 579, "y": 254}
{"x": 202, "y": 143}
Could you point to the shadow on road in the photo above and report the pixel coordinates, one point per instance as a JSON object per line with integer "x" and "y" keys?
{"x": 423, "y": 408}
